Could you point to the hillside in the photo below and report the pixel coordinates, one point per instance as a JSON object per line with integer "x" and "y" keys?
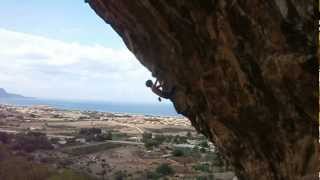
{"x": 5, "y": 94}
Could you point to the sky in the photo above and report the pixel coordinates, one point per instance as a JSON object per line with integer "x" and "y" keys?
{"x": 60, "y": 49}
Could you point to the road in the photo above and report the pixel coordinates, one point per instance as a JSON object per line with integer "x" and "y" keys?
{"x": 128, "y": 125}
{"x": 9, "y": 131}
{"x": 48, "y": 135}
{"x": 102, "y": 143}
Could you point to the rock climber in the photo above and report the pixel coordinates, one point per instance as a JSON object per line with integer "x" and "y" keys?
{"x": 158, "y": 89}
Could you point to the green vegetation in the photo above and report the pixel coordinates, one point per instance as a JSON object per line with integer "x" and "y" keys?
{"x": 185, "y": 151}
{"x": 160, "y": 138}
{"x": 116, "y": 135}
{"x": 146, "y": 136}
{"x": 68, "y": 174}
{"x": 150, "y": 142}
{"x": 179, "y": 139}
{"x": 204, "y": 144}
{"x": 161, "y": 171}
{"x": 17, "y": 167}
{"x": 164, "y": 169}
{"x": 26, "y": 170}
{"x": 94, "y": 134}
{"x": 203, "y": 167}
{"x": 120, "y": 175}
{"x": 91, "y": 149}
{"x": 178, "y": 152}
{"x": 206, "y": 177}
{"x": 152, "y": 175}
{"x": 31, "y": 141}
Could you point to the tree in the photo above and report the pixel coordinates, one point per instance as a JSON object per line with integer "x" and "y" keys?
{"x": 152, "y": 175}
{"x": 177, "y": 152}
{"x": 120, "y": 175}
{"x": 31, "y": 141}
{"x": 90, "y": 131}
{"x": 204, "y": 144}
{"x": 150, "y": 143}
{"x": 164, "y": 169}
{"x": 146, "y": 136}
{"x": 159, "y": 138}
{"x": 203, "y": 167}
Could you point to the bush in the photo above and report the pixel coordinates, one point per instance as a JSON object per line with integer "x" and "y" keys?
{"x": 54, "y": 140}
{"x": 178, "y": 152}
{"x": 204, "y": 144}
{"x": 15, "y": 167}
{"x": 195, "y": 152}
{"x": 160, "y": 138}
{"x": 119, "y": 135}
{"x": 169, "y": 138}
{"x": 94, "y": 134}
{"x": 146, "y": 137}
{"x": 204, "y": 167}
{"x": 203, "y": 150}
{"x": 201, "y": 178}
{"x": 164, "y": 169}
{"x": 120, "y": 175}
{"x": 90, "y": 131}
{"x": 209, "y": 177}
{"x": 180, "y": 140}
{"x": 102, "y": 137}
{"x": 153, "y": 175}
{"x": 149, "y": 144}
{"x": 31, "y": 142}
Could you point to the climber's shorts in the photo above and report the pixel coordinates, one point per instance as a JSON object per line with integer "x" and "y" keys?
{"x": 168, "y": 95}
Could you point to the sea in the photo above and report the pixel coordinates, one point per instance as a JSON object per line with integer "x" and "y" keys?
{"x": 156, "y": 109}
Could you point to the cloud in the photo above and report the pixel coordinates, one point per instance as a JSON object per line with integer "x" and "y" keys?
{"x": 43, "y": 67}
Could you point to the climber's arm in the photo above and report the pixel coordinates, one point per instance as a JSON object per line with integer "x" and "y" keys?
{"x": 157, "y": 84}
{"x": 161, "y": 83}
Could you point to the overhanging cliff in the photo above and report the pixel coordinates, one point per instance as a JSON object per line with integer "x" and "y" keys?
{"x": 245, "y": 73}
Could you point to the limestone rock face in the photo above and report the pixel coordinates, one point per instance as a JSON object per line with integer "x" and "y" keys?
{"x": 245, "y": 73}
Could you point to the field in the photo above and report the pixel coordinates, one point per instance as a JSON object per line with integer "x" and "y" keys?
{"x": 110, "y": 145}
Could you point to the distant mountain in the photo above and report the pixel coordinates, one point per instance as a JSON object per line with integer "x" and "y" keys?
{"x": 5, "y": 94}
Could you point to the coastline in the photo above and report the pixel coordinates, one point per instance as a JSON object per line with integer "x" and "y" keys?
{"x": 146, "y": 109}
{"x": 40, "y": 117}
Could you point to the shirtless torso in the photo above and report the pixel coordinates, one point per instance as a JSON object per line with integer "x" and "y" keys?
{"x": 158, "y": 90}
